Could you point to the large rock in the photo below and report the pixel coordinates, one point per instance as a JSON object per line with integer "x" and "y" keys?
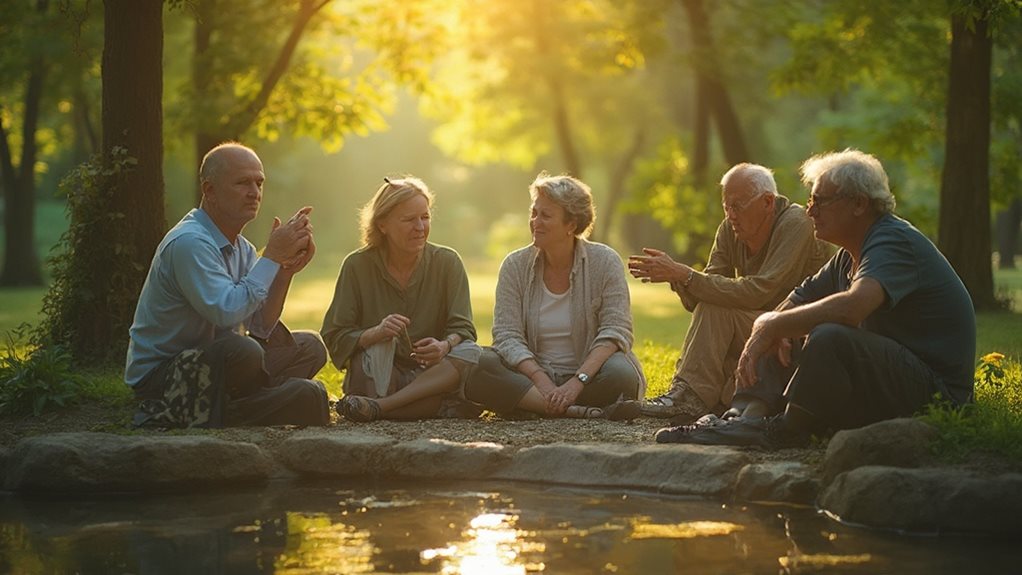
{"x": 682, "y": 469}
{"x": 333, "y": 454}
{"x": 896, "y": 443}
{"x": 927, "y": 500}
{"x": 438, "y": 458}
{"x": 358, "y": 454}
{"x": 93, "y": 462}
{"x": 783, "y": 481}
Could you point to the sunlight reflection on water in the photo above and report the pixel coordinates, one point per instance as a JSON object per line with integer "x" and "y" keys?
{"x": 399, "y": 528}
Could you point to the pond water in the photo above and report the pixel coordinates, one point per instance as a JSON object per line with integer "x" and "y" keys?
{"x": 490, "y": 528}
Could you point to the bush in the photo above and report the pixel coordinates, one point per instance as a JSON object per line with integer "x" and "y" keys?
{"x": 993, "y": 423}
{"x": 33, "y": 379}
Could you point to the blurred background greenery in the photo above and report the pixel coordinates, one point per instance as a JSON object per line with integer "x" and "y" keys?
{"x": 649, "y": 101}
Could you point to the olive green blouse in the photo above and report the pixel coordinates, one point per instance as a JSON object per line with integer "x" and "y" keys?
{"x": 436, "y": 300}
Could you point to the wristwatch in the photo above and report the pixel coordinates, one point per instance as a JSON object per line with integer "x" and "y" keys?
{"x": 583, "y": 377}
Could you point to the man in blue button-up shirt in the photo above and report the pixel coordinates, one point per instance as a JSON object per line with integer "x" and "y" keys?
{"x": 208, "y": 291}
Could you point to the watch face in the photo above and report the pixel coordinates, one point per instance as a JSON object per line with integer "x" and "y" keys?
{"x": 584, "y": 378}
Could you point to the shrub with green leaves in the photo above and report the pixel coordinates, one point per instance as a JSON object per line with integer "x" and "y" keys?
{"x": 34, "y": 379}
{"x": 993, "y": 423}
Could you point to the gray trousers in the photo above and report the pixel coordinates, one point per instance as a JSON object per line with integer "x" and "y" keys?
{"x": 500, "y": 387}
{"x": 846, "y": 377}
{"x": 265, "y": 382}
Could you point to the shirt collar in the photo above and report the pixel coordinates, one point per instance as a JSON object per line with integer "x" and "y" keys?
{"x": 203, "y": 218}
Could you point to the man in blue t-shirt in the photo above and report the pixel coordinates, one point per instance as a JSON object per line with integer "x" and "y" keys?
{"x": 887, "y": 324}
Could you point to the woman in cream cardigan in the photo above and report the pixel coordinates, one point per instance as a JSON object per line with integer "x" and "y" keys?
{"x": 562, "y": 323}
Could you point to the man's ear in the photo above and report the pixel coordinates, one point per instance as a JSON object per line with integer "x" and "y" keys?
{"x": 207, "y": 190}
{"x": 861, "y": 204}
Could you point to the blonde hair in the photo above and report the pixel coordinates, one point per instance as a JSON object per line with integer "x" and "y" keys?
{"x": 386, "y": 198}
{"x": 573, "y": 195}
{"x": 853, "y": 173}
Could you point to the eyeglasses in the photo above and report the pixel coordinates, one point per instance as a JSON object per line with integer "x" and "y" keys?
{"x": 819, "y": 202}
{"x": 733, "y": 208}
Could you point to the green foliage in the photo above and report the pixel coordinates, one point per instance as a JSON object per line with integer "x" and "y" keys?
{"x": 74, "y": 286}
{"x": 34, "y": 379}
{"x": 522, "y": 79}
{"x": 666, "y": 191}
{"x": 993, "y": 424}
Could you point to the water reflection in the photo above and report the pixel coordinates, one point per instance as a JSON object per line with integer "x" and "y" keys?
{"x": 388, "y": 528}
{"x": 492, "y": 545}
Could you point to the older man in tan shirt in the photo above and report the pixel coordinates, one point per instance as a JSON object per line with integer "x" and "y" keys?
{"x": 764, "y": 247}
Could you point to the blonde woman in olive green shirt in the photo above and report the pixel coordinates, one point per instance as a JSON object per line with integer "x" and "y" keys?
{"x": 400, "y": 321}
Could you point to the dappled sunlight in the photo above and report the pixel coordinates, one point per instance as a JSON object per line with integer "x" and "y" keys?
{"x": 492, "y": 546}
{"x": 315, "y": 544}
{"x": 685, "y": 530}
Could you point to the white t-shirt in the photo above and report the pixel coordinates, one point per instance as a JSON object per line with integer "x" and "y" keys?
{"x": 554, "y": 338}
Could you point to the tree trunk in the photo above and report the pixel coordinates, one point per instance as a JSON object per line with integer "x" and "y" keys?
{"x": 1008, "y": 222}
{"x": 617, "y": 188}
{"x": 713, "y": 96}
{"x": 964, "y": 232}
{"x": 21, "y": 261}
{"x": 132, "y": 74}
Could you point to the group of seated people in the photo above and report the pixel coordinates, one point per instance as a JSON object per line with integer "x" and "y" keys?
{"x": 786, "y": 341}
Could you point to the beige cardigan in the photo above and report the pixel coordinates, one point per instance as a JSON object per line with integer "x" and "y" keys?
{"x": 600, "y": 304}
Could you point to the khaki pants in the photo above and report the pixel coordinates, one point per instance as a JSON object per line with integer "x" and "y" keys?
{"x": 710, "y": 353}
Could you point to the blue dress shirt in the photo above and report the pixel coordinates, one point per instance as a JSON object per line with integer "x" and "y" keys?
{"x": 200, "y": 286}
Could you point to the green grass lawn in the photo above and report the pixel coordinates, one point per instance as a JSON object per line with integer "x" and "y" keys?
{"x": 660, "y": 320}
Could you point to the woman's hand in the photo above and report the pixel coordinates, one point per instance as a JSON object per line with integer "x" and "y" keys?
{"x": 391, "y": 326}
{"x": 429, "y": 351}
{"x": 564, "y": 396}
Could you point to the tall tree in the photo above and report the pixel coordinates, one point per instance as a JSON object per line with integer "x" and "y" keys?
{"x": 122, "y": 223}
{"x": 21, "y": 262}
{"x": 965, "y": 185}
{"x": 713, "y": 99}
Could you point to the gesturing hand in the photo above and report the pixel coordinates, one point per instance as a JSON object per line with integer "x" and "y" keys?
{"x": 301, "y": 259}
{"x": 288, "y": 239}
{"x": 656, "y": 266}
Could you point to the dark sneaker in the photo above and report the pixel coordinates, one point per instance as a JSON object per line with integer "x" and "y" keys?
{"x": 764, "y": 433}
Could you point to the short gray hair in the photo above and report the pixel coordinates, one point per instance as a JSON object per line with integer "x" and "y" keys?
{"x": 387, "y": 197}
{"x": 853, "y": 173}
{"x": 759, "y": 177}
{"x": 572, "y": 194}
{"x": 215, "y": 159}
